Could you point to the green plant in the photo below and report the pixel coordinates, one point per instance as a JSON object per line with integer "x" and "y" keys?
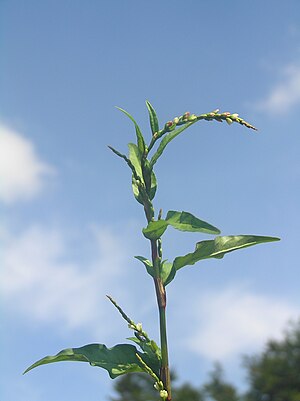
{"x": 146, "y": 356}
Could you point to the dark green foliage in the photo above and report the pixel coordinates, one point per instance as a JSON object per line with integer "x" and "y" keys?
{"x": 217, "y": 389}
{"x": 186, "y": 392}
{"x": 274, "y": 375}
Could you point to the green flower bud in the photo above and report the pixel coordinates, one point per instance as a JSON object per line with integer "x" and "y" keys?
{"x": 139, "y": 327}
{"x": 176, "y": 120}
{"x": 234, "y": 116}
{"x": 229, "y": 120}
{"x": 192, "y": 117}
{"x": 163, "y": 394}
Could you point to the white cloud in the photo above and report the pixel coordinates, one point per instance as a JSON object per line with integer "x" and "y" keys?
{"x": 38, "y": 280}
{"x": 285, "y": 95}
{"x": 234, "y": 321}
{"x": 22, "y": 173}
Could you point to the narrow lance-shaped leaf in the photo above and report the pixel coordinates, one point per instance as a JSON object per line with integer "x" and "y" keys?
{"x": 139, "y": 135}
{"x": 135, "y": 158}
{"x": 218, "y": 247}
{"x": 117, "y": 360}
{"x": 153, "y": 118}
{"x": 185, "y": 221}
{"x": 166, "y": 139}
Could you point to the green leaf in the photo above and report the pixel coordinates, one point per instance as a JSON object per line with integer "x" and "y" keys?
{"x": 153, "y": 118}
{"x": 155, "y": 229}
{"x": 166, "y": 139}
{"x": 139, "y": 135}
{"x": 117, "y": 360}
{"x": 218, "y": 247}
{"x": 185, "y": 221}
{"x": 153, "y": 185}
{"x": 168, "y": 272}
{"x": 147, "y": 264}
{"x": 135, "y": 158}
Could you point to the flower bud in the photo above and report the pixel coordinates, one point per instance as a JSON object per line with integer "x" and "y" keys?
{"x": 186, "y": 115}
{"x": 229, "y": 120}
{"x": 170, "y": 126}
{"x": 163, "y": 394}
{"x": 234, "y": 116}
{"x": 192, "y": 117}
{"x": 176, "y": 120}
{"x": 139, "y": 327}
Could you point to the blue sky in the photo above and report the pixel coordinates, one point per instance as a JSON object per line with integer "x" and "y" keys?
{"x": 70, "y": 225}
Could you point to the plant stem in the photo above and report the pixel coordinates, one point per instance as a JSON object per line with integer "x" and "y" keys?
{"x": 165, "y": 371}
{"x": 161, "y": 302}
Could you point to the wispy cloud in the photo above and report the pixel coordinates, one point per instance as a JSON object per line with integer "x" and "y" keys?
{"x": 285, "y": 95}
{"x": 232, "y": 321}
{"x": 22, "y": 172}
{"x": 39, "y": 280}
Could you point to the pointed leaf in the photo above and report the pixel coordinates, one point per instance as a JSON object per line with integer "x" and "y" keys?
{"x": 117, "y": 360}
{"x": 166, "y": 139}
{"x": 185, "y": 221}
{"x": 168, "y": 272}
{"x": 153, "y": 118}
{"x": 135, "y": 158}
{"x": 139, "y": 135}
{"x": 218, "y": 247}
{"x": 147, "y": 264}
{"x": 153, "y": 186}
{"x": 155, "y": 229}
